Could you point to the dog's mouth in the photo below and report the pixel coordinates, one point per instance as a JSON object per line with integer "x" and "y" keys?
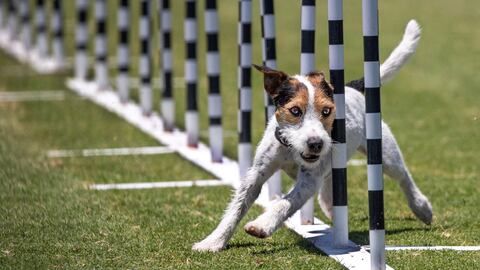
{"x": 309, "y": 157}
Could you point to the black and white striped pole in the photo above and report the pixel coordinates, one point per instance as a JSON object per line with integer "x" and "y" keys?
{"x": 269, "y": 54}
{"x": 244, "y": 86}
{"x": 26, "y": 33}
{"x": 12, "y": 19}
{"x": 191, "y": 116}
{"x": 40, "y": 16}
{"x": 2, "y": 13}
{"x": 373, "y": 124}
{"x": 101, "y": 67}
{"x": 123, "y": 83}
{"x": 339, "y": 148}
{"x": 307, "y": 64}
{"x": 145, "y": 60}
{"x": 213, "y": 73}
{"x": 81, "y": 40}
{"x": 168, "y": 104}
{"x": 57, "y": 29}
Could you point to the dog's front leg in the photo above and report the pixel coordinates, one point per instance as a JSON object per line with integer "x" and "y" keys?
{"x": 264, "y": 164}
{"x": 267, "y": 223}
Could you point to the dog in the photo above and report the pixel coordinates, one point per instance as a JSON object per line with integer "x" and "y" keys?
{"x": 297, "y": 140}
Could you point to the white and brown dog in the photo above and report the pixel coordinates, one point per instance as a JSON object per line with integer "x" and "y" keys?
{"x": 298, "y": 139}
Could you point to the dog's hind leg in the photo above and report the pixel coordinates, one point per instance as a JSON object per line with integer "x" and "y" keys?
{"x": 264, "y": 165}
{"x": 394, "y": 166}
{"x": 267, "y": 223}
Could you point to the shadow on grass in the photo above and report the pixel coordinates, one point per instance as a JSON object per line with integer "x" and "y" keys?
{"x": 361, "y": 237}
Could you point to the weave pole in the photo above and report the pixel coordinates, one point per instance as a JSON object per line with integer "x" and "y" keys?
{"x": 145, "y": 60}
{"x": 12, "y": 19}
{"x": 123, "y": 18}
{"x": 373, "y": 123}
{"x": 2, "y": 13}
{"x": 244, "y": 86}
{"x": 191, "y": 116}
{"x": 167, "y": 104}
{"x": 57, "y": 29}
{"x": 26, "y": 32}
{"x": 339, "y": 147}
{"x": 41, "y": 42}
{"x": 81, "y": 40}
{"x": 213, "y": 73}
{"x": 101, "y": 68}
{"x": 307, "y": 64}
{"x": 269, "y": 57}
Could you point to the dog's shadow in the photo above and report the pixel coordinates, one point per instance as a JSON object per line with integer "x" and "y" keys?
{"x": 360, "y": 237}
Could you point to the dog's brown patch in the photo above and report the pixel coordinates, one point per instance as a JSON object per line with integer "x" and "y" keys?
{"x": 323, "y": 98}
{"x": 322, "y": 102}
{"x": 297, "y": 97}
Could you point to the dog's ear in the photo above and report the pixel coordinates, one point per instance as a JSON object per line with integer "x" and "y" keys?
{"x": 317, "y": 78}
{"x": 272, "y": 79}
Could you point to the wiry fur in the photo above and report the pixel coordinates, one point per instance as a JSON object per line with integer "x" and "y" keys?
{"x": 271, "y": 155}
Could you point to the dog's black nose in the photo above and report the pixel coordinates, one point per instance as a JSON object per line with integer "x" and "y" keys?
{"x": 315, "y": 144}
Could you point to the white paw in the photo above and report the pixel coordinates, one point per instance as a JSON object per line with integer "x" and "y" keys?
{"x": 208, "y": 245}
{"x": 254, "y": 229}
{"x": 422, "y": 208}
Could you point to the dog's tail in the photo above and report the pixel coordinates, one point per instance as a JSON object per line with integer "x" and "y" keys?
{"x": 398, "y": 58}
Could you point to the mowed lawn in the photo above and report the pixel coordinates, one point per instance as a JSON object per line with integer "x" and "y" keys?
{"x": 49, "y": 219}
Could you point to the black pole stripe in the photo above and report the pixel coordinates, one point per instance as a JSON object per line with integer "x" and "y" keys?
{"x": 82, "y": 15}
{"x": 211, "y": 4}
{"x": 191, "y": 10}
{"x": 372, "y": 98}
{"x": 245, "y": 123}
{"x": 167, "y": 36}
{"x": 338, "y": 131}
{"x": 335, "y": 30}
{"x": 192, "y": 97}
{"x": 337, "y": 78}
{"x": 167, "y": 84}
{"x": 214, "y": 84}
{"x": 374, "y": 151}
{"x": 271, "y": 50}
{"x": 370, "y": 49}
{"x": 215, "y": 121}
{"x": 339, "y": 176}
{"x": 308, "y": 41}
{"x": 375, "y": 209}
{"x": 212, "y": 42}
{"x": 246, "y": 77}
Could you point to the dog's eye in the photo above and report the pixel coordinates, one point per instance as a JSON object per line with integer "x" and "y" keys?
{"x": 326, "y": 112}
{"x": 295, "y": 111}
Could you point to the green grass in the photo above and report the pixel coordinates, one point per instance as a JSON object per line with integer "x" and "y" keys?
{"x": 48, "y": 219}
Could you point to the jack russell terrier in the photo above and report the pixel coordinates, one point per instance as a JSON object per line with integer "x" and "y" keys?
{"x": 297, "y": 139}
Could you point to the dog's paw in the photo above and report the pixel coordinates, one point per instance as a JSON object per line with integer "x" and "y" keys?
{"x": 422, "y": 208}
{"x": 255, "y": 230}
{"x": 208, "y": 245}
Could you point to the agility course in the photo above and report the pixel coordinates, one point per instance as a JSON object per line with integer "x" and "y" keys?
{"x": 144, "y": 116}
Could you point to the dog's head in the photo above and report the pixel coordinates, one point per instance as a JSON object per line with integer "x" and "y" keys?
{"x": 304, "y": 111}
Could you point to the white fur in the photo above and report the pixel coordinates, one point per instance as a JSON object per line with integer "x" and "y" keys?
{"x": 271, "y": 155}
{"x": 402, "y": 52}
